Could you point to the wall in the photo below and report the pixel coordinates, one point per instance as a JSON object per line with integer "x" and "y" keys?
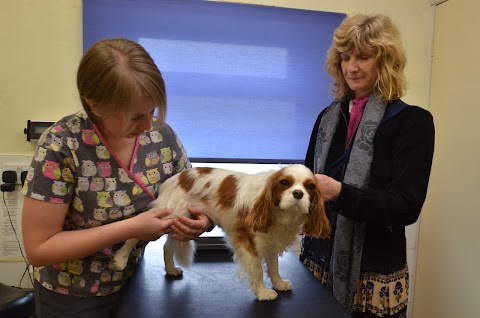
{"x": 448, "y": 275}
{"x": 38, "y": 66}
{"x": 41, "y": 45}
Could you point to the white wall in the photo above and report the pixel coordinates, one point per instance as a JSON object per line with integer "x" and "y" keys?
{"x": 448, "y": 276}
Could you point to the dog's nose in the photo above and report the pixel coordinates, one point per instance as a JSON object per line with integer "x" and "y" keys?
{"x": 297, "y": 194}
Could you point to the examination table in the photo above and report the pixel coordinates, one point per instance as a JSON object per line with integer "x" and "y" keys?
{"x": 210, "y": 289}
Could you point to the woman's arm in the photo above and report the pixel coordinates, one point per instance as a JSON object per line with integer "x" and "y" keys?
{"x": 46, "y": 242}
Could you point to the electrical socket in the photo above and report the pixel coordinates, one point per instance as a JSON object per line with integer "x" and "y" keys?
{"x": 17, "y": 168}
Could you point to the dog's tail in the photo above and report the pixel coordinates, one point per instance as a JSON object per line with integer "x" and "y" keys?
{"x": 184, "y": 252}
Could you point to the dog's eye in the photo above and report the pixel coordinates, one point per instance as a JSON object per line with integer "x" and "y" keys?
{"x": 310, "y": 186}
{"x": 285, "y": 183}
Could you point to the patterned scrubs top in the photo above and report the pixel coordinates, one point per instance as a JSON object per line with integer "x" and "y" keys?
{"x": 73, "y": 164}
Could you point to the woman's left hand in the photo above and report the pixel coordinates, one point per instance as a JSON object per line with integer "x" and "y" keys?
{"x": 184, "y": 229}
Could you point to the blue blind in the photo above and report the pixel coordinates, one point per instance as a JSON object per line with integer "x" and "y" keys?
{"x": 245, "y": 83}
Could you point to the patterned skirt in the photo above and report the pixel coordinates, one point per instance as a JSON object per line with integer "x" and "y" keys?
{"x": 377, "y": 295}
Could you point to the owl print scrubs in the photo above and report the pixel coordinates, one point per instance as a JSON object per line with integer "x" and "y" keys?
{"x": 72, "y": 164}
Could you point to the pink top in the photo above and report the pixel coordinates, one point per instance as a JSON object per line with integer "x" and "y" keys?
{"x": 355, "y": 116}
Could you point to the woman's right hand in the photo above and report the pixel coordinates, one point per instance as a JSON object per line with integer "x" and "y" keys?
{"x": 330, "y": 187}
{"x": 152, "y": 224}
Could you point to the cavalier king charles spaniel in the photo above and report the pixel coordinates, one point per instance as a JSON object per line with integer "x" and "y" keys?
{"x": 261, "y": 215}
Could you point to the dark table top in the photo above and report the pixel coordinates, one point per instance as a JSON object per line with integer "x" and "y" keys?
{"x": 211, "y": 289}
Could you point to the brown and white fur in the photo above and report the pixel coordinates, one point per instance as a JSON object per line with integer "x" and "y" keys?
{"x": 261, "y": 215}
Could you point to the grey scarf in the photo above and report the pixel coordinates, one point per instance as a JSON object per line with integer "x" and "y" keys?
{"x": 346, "y": 258}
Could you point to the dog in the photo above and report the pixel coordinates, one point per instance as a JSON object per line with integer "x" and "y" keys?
{"x": 261, "y": 215}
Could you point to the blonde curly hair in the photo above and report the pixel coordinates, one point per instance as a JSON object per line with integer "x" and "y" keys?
{"x": 373, "y": 34}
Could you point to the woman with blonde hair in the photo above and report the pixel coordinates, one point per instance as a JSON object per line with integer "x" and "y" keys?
{"x": 372, "y": 155}
{"x": 93, "y": 175}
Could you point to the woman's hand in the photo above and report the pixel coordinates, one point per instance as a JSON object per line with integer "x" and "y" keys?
{"x": 150, "y": 225}
{"x": 330, "y": 187}
{"x": 184, "y": 229}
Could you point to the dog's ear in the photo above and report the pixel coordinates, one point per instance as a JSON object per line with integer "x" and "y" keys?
{"x": 317, "y": 224}
{"x": 260, "y": 216}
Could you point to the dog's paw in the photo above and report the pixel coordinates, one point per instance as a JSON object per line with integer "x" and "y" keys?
{"x": 282, "y": 285}
{"x": 267, "y": 294}
{"x": 174, "y": 271}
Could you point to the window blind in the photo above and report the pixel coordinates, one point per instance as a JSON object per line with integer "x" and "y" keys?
{"x": 245, "y": 83}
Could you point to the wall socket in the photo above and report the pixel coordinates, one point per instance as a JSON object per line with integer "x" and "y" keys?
{"x": 17, "y": 168}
